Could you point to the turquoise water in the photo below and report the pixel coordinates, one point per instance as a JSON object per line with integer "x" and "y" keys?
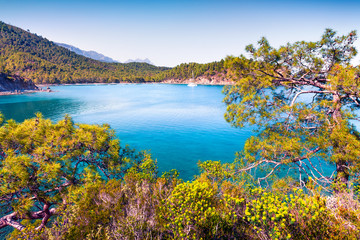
{"x": 179, "y": 125}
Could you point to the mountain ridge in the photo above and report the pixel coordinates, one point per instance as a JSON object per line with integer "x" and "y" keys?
{"x": 33, "y": 57}
{"x": 90, "y": 54}
{"x": 99, "y": 56}
{"x": 146, "y": 60}
{"x": 44, "y": 62}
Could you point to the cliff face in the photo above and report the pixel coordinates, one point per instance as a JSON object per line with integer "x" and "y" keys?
{"x": 15, "y": 84}
{"x": 218, "y": 79}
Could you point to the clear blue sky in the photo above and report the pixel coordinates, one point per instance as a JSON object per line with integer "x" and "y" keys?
{"x": 173, "y": 32}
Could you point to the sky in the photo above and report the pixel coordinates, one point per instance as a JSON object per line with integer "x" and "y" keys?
{"x": 173, "y": 32}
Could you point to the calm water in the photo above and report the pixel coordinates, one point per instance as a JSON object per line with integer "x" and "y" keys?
{"x": 180, "y": 125}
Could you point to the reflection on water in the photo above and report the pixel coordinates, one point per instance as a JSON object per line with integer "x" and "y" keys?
{"x": 180, "y": 125}
{"x": 52, "y": 108}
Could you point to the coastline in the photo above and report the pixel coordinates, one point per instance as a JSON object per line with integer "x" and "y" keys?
{"x": 44, "y": 87}
{"x": 198, "y": 83}
{"x": 6, "y": 93}
{"x": 201, "y": 81}
{"x": 163, "y": 82}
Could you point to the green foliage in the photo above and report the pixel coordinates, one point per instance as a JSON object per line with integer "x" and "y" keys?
{"x": 191, "y": 210}
{"x": 42, "y": 162}
{"x": 144, "y": 206}
{"x": 214, "y": 170}
{"x": 194, "y": 70}
{"x": 118, "y": 209}
{"x": 301, "y": 99}
{"x": 34, "y": 57}
{"x": 289, "y": 217}
{"x": 38, "y": 156}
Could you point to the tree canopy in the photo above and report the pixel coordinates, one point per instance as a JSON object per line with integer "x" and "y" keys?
{"x": 193, "y": 70}
{"x": 41, "y": 161}
{"x": 302, "y": 98}
{"x": 34, "y": 57}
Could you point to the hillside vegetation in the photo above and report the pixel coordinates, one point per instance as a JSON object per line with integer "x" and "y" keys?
{"x": 75, "y": 181}
{"x": 33, "y": 57}
{"x": 193, "y": 70}
{"x": 36, "y": 58}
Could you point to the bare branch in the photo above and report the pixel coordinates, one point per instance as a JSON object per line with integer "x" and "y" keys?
{"x": 302, "y": 92}
{"x": 354, "y": 99}
{"x": 255, "y": 165}
{"x": 322, "y": 176}
{"x": 269, "y": 174}
{"x": 11, "y": 219}
{"x": 45, "y": 218}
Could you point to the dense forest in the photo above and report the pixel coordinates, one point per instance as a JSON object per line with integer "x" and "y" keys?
{"x": 42, "y": 61}
{"x": 193, "y": 70}
{"x": 36, "y": 58}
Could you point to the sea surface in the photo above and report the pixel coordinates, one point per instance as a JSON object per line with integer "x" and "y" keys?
{"x": 177, "y": 124}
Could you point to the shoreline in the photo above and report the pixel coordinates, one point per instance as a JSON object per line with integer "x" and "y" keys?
{"x": 199, "y": 84}
{"x": 224, "y": 83}
{"x": 46, "y": 85}
{"x": 6, "y": 93}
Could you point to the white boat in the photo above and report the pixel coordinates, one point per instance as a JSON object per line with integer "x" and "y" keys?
{"x": 192, "y": 82}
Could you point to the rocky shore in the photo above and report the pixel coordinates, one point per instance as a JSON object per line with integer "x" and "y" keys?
{"x": 202, "y": 80}
{"x": 13, "y": 84}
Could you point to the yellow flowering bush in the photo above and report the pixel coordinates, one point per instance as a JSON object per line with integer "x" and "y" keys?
{"x": 191, "y": 210}
{"x": 143, "y": 206}
{"x": 293, "y": 216}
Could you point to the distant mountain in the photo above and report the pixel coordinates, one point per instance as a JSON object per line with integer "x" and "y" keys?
{"x": 146, "y": 60}
{"x": 90, "y": 54}
{"x": 100, "y": 57}
{"x": 33, "y": 57}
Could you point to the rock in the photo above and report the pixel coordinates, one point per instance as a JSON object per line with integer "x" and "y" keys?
{"x": 15, "y": 84}
{"x": 218, "y": 79}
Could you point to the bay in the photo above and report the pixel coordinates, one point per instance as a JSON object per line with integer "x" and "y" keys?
{"x": 179, "y": 125}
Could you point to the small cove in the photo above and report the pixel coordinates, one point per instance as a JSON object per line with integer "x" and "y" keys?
{"x": 179, "y": 125}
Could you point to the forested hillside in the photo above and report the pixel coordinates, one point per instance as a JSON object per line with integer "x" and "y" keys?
{"x": 34, "y": 57}
{"x": 214, "y": 70}
{"x": 90, "y": 54}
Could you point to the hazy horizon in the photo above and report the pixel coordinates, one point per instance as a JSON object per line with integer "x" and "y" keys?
{"x": 174, "y": 32}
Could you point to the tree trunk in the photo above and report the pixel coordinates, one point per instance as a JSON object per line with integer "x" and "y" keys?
{"x": 342, "y": 173}
{"x": 342, "y": 176}
{"x": 12, "y": 219}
